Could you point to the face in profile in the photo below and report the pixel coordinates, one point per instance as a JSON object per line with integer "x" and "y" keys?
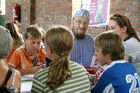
{"x": 100, "y": 57}
{"x": 80, "y": 26}
{"x": 113, "y": 26}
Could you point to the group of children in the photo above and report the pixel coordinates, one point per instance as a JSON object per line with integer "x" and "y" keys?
{"x": 116, "y": 75}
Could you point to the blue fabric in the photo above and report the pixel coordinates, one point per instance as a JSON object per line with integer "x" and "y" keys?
{"x": 117, "y": 76}
{"x": 83, "y": 51}
{"x": 82, "y": 13}
{"x": 48, "y": 61}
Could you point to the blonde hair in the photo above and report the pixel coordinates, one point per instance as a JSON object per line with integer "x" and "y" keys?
{"x": 60, "y": 41}
{"x": 110, "y": 42}
{"x": 33, "y": 32}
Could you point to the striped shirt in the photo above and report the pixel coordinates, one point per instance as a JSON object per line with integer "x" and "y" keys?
{"x": 83, "y": 51}
{"x": 78, "y": 83}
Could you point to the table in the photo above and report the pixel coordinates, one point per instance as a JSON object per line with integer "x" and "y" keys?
{"x": 26, "y": 83}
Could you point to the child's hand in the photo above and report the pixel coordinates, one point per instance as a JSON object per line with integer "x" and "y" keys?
{"x": 36, "y": 69}
{"x": 42, "y": 65}
{"x": 92, "y": 76}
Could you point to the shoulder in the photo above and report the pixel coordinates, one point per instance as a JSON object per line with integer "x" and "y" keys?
{"x": 41, "y": 52}
{"x": 88, "y": 36}
{"x": 76, "y": 66}
{"x": 41, "y": 74}
{"x": 20, "y": 49}
{"x": 132, "y": 41}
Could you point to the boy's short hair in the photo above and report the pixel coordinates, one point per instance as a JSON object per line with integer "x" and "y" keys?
{"x": 110, "y": 42}
{"x": 33, "y": 32}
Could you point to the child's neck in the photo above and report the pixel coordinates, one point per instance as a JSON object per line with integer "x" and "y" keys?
{"x": 109, "y": 62}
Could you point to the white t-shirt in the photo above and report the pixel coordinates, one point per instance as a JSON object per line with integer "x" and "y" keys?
{"x": 132, "y": 49}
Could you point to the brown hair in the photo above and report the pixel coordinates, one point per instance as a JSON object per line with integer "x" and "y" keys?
{"x": 17, "y": 38}
{"x": 33, "y": 32}
{"x": 110, "y": 42}
{"x": 60, "y": 41}
{"x": 124, "y": 21}
{"x": 42, "y": 30}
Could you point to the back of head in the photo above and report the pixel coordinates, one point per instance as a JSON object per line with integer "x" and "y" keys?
{"x": 17, "y": 23}
{"x": 33, "y": 32}
{"x": 82, "y": 13}
{"x": 110, "y": 42}
{"x": 60, "y": 40}
{"x": 5, "y": 42}
{"x": 11, "y": 27}
{"x": 122, "y": 21}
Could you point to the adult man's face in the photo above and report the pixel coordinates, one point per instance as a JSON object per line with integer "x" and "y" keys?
{"x": 80, "y": 26}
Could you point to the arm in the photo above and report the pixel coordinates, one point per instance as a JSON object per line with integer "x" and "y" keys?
{"x": 14, "y": 60}
{"x": 18, "y": 80}
{"x": 32, "y": 70}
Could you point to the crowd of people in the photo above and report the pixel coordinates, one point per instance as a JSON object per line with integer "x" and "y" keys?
{"x": 58, "y": 57}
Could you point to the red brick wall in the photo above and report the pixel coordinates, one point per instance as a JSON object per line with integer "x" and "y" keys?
{"x": 49, "y": 12}
{"x": 25, "y": 11}
{"x": 129, "y": 8}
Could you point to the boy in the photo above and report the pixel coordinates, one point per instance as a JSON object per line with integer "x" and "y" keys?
{"x": 27, "y": 58}
{"x": 119, "y": 76}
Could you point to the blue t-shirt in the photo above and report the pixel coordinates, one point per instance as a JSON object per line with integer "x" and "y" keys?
{"x": 119, "y": 77}
{"x": 83, "y": 51}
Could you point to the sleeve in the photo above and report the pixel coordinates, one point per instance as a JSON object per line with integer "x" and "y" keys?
{"x": 132, "y": 50}
{"x": 15, "y": 59}
{"x": 37, "y": 85}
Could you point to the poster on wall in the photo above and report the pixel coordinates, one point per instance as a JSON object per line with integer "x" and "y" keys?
{"x": 99, "y": 12}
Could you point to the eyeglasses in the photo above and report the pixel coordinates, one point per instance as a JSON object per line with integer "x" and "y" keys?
{"x": 121, "y": 17}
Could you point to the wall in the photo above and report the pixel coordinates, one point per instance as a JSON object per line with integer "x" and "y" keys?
{"x": 49, "y": 12}
{"x": 129, "y": 8}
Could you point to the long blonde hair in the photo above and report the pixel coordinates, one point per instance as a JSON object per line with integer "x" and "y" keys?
{"x": 60, "y": 41}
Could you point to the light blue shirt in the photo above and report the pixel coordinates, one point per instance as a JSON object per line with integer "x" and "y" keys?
{"x": 83, "y": 51}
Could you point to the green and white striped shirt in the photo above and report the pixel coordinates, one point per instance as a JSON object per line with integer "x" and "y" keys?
{"x": 78, "y": 83}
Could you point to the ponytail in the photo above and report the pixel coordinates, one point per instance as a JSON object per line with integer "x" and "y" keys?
{"x": 59, "y": 72}
{"x": 131, "y": 33}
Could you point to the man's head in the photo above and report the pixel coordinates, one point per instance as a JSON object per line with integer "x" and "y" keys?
{"x": 80, "y": 23}
{"x": 5, "y": 42}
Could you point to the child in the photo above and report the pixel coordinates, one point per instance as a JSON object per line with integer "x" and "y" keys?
{"x": 119, "y": 76}
{"x": 16, "y": 38}
{"x": 121, "y": 25}
{"x": 62, "y": 75}
{"x": 28, "y": 57}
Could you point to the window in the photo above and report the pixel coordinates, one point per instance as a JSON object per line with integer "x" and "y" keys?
{"x": 2, "y": 7}
{"x": 99, "y": 10}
